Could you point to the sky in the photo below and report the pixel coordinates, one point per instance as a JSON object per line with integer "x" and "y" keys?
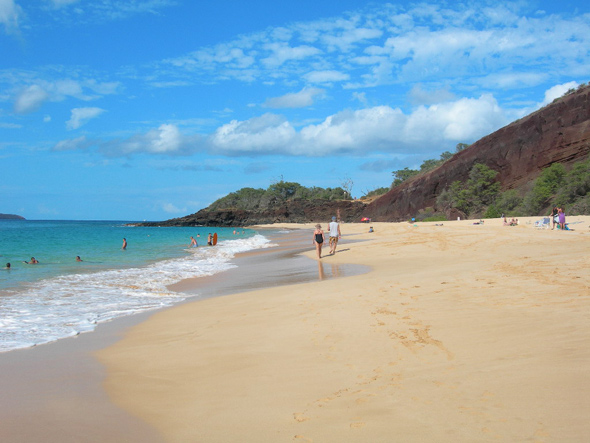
{"x": 153, "y": 109}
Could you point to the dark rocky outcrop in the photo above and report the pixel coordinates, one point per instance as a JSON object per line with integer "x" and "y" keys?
{"x": 290, "y": 211}
{"x": 11, "y": 217}
{"x": 558, "y": 133}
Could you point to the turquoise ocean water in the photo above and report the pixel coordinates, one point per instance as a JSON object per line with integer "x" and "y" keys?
{"x": 60, "y": 297}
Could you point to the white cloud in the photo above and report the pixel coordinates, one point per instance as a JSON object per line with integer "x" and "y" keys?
{"x": 170, "y": 208}
{"x": 72, "y": 144}
{"x": 463, "y": 119}
{"x": 300, "y": 99}
{"x": 557, "y": 91}
{"x": 10, "y": 125}
{"x": 326, "y": 76}
{"x": 30, "y": 99}
{"x": 376, "y": 129}
{"x": 265, "y": 134}
{"x": 282, "y": 52}
{"x": 165, "y": 140}
{"x": 9, "y": 15}
{"x": 420, "y": 96}
{"x": 464, "y": 46}
{"x": 81, "y": 116}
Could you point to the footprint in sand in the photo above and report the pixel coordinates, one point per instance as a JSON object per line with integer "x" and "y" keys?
{"x": 298, "y": 416}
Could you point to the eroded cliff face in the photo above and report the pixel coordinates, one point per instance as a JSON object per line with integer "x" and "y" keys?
{"x": 558, "y": 133}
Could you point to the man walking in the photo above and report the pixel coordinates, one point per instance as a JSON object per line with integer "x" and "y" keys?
{"x": 334, "y": 235}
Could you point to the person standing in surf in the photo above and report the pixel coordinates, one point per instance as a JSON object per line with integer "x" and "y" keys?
{"x": 318, "y": 239}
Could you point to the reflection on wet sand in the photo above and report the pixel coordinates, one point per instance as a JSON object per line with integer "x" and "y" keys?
{"x": 334, "y": 270}
{"x": 322, "y": 275}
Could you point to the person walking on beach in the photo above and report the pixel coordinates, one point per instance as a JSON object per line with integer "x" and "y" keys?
{"x": 193, "y": 243}
{"x": 318, "y": 239}
{"x": 124, "y": 244}
{"x": 334, "y": 235}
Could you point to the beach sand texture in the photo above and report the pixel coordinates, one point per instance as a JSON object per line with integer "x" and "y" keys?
{"x": 460, "y": 333}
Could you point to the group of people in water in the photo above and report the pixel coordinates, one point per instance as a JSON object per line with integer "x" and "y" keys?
{"x": 334, "y": 235}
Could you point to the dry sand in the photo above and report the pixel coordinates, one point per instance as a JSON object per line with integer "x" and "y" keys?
{"x": 460, "y": 333}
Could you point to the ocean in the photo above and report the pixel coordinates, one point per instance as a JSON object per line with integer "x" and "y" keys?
{"x": 60, "y": 297}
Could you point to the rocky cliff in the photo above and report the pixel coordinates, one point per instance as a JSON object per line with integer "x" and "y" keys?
{"x": 559, "y": 132}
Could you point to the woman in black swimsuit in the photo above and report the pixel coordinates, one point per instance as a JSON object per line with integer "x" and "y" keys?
{"x": 318, "y": 239}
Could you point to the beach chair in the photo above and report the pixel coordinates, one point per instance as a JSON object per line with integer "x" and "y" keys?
{"x": 545, "y": 223}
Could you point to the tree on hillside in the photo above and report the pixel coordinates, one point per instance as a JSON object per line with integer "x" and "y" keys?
{"x": 401, "y": 175}
{"x": 479, "y": 191}
{"x": 544, "y": 188}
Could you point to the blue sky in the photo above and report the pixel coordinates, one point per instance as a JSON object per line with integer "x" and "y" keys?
{"x": 153, "y": 109}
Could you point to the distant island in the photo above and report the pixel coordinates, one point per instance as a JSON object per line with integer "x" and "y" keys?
{"x": 11, "y": 217}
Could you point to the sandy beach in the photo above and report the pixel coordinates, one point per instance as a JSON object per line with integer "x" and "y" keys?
{"x": 458, "y": 333}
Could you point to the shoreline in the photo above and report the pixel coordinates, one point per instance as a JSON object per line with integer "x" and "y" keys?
{"x": 459, "y": 333}
{"x": 53, "y": 391}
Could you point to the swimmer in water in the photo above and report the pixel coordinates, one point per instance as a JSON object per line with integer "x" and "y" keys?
{"x": 78, "y": 258}
{"x": 193, "y": 243}
{"x": 33, "y": 261}
{"x": 124, "y": 244}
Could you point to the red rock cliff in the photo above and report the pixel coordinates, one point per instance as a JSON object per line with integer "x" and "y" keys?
{"x": 560, "y": 132}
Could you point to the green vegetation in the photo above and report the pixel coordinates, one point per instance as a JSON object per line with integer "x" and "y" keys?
{"x": 375, "y": 193}
{"x": 251, "y": 198}
{"x": 477, "y": 193}
{"x": 402, "y": 175}
{"x": 480, "y": 195}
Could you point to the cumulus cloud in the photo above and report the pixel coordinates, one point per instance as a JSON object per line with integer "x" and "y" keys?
{"x": 265, "y": 134}
{"x": 81, "y": 116}
{"x": 300, "y": 99}
{"x": 375, "y": 129}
